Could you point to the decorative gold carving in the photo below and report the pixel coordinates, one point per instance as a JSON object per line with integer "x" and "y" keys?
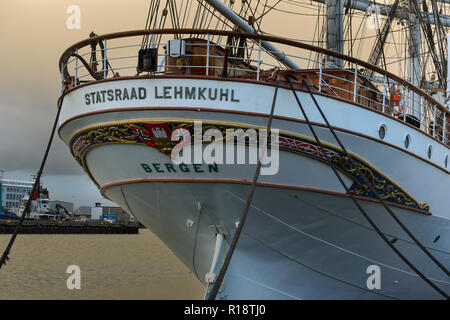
{"x": 385, "y": 189}
{"x": 122, "y": 132}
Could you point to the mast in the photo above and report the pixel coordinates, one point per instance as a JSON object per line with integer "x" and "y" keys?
{"x": 414, "y": 67}
{"x": 335, "y": 28}
{"x": 244, "y": 26}
{"x": 402, "y": 12}
{"x": 448, "y": 75}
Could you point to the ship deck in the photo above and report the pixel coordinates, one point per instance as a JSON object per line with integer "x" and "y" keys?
{"x": 215, "y": 55}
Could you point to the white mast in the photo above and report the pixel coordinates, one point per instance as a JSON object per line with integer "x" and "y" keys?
{"x": 414, "y": 67}
{"x": 448, "y": 73}
{"x": 335, "y": 28}
{"x": 401, "y": 13}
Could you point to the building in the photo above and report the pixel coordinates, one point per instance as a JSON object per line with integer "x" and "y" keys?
{"x": 82, "y": 213}
{"x": 53, "y": 204}
{"x": 97, "y": 211}
{"x": 110, "y": 212}
{"x": 12, "y": 191}
{"x": 102, "y": 211}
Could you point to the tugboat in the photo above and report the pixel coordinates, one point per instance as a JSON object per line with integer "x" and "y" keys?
{"x": 357, "y": 179}
{"x": 40, "y": 208}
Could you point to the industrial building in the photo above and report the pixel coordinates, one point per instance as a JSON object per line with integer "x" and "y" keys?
{"x": 113, "y": 213}
{"x": 12, "y": 191}
{"x": 104, "y": 212}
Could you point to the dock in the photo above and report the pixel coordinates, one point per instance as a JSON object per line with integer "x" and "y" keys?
{"x": 68, "y": 227}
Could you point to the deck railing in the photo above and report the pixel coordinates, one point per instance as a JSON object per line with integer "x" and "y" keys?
{"x": 212, "y": 53}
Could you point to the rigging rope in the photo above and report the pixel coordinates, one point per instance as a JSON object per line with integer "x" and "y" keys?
{"x": 5, "y": 256}
{"x": 218, "y": 282}
{"x": 442, "y": 41}
{"x": 152, "y": 17}
{"x": 430, "y": 41}
{"x": 331, "y": 164}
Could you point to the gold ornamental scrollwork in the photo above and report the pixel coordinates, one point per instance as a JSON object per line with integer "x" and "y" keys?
{"x": 126, "y": 133}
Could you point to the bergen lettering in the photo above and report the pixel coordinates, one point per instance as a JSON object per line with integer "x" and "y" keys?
{"x": 169, "y": 167}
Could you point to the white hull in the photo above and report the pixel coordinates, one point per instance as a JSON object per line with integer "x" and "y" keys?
{"x": 296, "y": 244}
{"x": 304, "y": 238}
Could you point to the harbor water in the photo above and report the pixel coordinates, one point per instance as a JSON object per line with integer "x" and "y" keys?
{"x": 112, "y": 266}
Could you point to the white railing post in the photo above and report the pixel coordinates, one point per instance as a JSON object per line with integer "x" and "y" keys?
{"x": 320, "y": 71}
{"x": 434, "y": 121}
{"x": 444, "y": 128}
{"x": 105, "y": 66}
{"x": 384, "y": 93}
{"x": 355, "y": 84}
{"x": 259, "y": 60}
{"x": 207, "y": 55}
{"x": 161, "y": 64}
{"x": 422, "y": 99}
{"x": 407, "y": 104}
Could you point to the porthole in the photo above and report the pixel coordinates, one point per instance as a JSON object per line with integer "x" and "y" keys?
{"x": 429, "y": 152}
{"x": 446, "y": 161}
{"x": 382, "y": 131}
{"x": 407, "y": 141}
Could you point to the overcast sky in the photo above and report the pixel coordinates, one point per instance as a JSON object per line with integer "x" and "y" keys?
{"x": 33, "y": 35}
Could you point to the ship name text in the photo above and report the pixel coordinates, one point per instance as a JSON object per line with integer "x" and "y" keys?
{"x": 161, "y": 93}
{"x": 174, "y": 168}
{"x": 124, "y": 94}
{"x": 196, "y": 93}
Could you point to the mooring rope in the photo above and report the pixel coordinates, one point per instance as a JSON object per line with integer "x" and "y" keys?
{"x": 5, "y": 256}
{"x": 223, "y": 269}
{"x": 372, "y": 189}
{"x": 332, "y": 165}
